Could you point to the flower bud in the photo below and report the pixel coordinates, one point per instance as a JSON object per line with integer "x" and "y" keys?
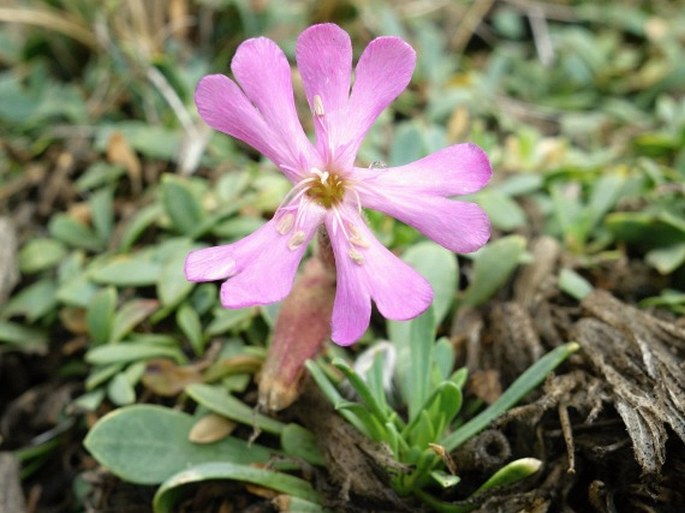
{"x": 303, "y": 325}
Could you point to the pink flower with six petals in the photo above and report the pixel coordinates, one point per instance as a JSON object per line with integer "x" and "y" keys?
{"x": 258, "y": 108}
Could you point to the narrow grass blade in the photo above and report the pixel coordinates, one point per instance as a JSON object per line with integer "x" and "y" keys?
{"x": 168, "y": 494}
{"x": 531, "y": 378}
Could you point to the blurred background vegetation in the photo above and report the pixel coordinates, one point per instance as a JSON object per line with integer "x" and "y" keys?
{"x": 108, "y": 176}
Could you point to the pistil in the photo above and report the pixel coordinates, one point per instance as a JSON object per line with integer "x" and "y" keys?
{"x": 328, "y": 190}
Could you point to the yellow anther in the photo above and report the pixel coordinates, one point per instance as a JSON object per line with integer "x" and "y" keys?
{"x": 318, "y": 106}
{"x": 296, "y": 240}
{"x": 356, "y": 256}
{"x": 356, "y": 238}
{"x": 285, "y": 223}
{"x": 329, "y": 190}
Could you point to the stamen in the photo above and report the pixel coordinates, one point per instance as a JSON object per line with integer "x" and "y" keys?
{"x": 356, "y": 237}
{"x": 297, "y": 191}
{"x": 341, "y": 224}
{"x": 318, "y": 106}
{"x": 356, "y": 197}
{"x": 356, "y": 256}
{"x": 285, "y": 223}
{"x": 296, "y": 240}
{"x": 326, "y": 188}
{"x": 302, "y": 211}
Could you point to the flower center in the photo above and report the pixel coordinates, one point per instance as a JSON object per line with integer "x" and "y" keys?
{"x": 328, "y": 189}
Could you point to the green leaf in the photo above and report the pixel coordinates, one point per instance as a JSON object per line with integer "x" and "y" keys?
{"x": 27, "y": 339}
{"x": 34, "y": 301}
{"x": 90, "y": 401}
{"x": 379, "y": 374}
{"x": 445, "y": 480}
{"x": 181, "y": 205}
{"x": 189, "y": 323}
{"x": 226, "y": 320}
{"x": 216, "y": 399}
{"x": 669, "y": 298}
{"x": 428, "y": 428}
{"x": 131, "y": 352}
{"x": 503, "y": 211}
{"x": 407, "y": 144}
{"x": 147, "y": 444}
{"x": 367, "y": 423}
{"x": 128, "y": 271}
{"x": 298, "y": 442}
{"x": 203, "y": 298}
{"x": 144, "y": 218}
{"x": 77, "y": 291}
{"x": 130, "y": 315}
{"x": 362, "y": 389}
{"x": 645, "y": 228}
{"x": 526, "y": 382}
{"x": 606, "y": 191}
{"x": 493, "y": 266}
{"x": 324, "y": 383}
{"x": 519, "y": 184}
{"x": 172, "y": 285}
{"x": 444, "y": 357}
{"x": 102, "y": 374}
{"x": 418, "y": 368}
{"x": 120, "y": 391}
{"x": 337, "y": 400}
{"x": 100, "y": 315}
{"x": 98, "y": 175}
{"x": 439, "y": 266}
{"x": 102, "y": 212}
{"x": 574, "y": 284}
{"x": 40, "y": 254}
{"x": 667, "y": 259}
{"x": 511, "y": 473}
{"x": 443, "y": 406}
{"x": 424, "y": 431}
{"x": 74, "y": 233}
{"x": 569, "y": 214}
{"x": 168, "y": 494}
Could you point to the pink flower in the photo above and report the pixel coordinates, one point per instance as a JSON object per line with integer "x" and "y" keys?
{"x": 327, "y": 187}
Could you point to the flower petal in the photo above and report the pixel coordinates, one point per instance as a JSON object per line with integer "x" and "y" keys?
{"x": 267, "y": 271}
{"x": 351, "y": 308}
{"x": 382, "y": 73}
{"x": 459, "y": 226}
{"x": 400, "y": 293}
{"x": 210, "y": 264}
{"x": 260, "y": 267}
{"x": 224, "y": 107}
{"x": 324, "y": 59}
{"x": 455, "y": 170}
{"x": 263, "y": 72}
{"x": 221, "y": 262}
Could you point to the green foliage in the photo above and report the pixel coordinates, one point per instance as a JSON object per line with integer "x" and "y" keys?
{"x": 433, "y": 394}
{"x": 168, "y": 493}
{"x": 148, "y": 444}
{"x": 217, "y": 400}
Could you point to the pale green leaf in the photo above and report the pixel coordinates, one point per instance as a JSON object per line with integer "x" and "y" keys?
{"x": 216, "y": 399}
{"x": 40, "y": 254}
{"x": 147, "y": 444}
